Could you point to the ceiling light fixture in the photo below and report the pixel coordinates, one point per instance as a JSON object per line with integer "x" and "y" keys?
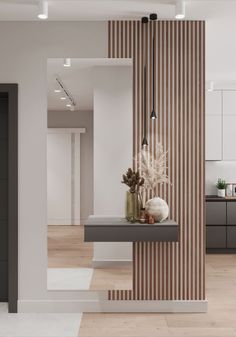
{"x": 180, "y": 10}
{"x": 67, "y": 62}
{"x": 57, "y": 90}
{"x": 71, "y": 102}
{"x": 43, "y": 10}
{"x": 211, "y": 86}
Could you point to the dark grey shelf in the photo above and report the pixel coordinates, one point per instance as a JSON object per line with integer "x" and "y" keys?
{"x": 114, "y": 229}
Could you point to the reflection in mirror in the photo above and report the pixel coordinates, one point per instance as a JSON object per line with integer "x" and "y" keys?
{"x": 89, "y": 146}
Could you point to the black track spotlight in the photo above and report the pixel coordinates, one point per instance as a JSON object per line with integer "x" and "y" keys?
{"x": 144, "y": 19}
{"x": 153, "y": 16}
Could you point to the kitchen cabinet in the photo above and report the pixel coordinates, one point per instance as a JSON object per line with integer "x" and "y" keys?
{"x": 229, "y": 102}
{"x": 213, "y": 125}
{"x": 231, "y": 213}
{"x": 214, "y": 103}
{"x": 216, "y": 213}
{"x": 229, "y": 122}
{"x": 229, "y": 148}
{"x": 213, "y": 137}
{"x": 231, "y": 237}
{"x": 216, "y": 237}
{"x": 220, "y": 225}
{"x": 220, "y": 125}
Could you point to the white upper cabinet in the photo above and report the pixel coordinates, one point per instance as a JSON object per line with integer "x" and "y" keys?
{"x": 229, "y": 124}
{"x": 214, "y": 125}
{"x": 213, "y": 137}
{"x": 229, "y": 103}
{"x": 213, "y": 103}
{"x": 229, "y": 145}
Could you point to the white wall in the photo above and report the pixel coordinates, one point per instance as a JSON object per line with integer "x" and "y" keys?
{"x": 80, "y": 119}
{"x": 24, "y": 49}
{"x": 219, "y": 169}
{"x": 113, "y": 137}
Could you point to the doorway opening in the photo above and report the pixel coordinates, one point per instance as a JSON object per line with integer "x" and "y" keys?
{"x": 9, "y": 195}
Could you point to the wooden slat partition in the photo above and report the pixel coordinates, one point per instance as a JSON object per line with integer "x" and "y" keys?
{"x": 170, "y": 271}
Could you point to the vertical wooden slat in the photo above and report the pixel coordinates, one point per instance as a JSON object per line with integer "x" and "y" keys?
{"x": 172, "y": 271}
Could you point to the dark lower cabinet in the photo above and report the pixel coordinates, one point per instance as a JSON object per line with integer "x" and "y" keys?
{"x": 3, "y": 198}
{"x": 221, "y": 226}
{"x": 216, "y": 237}
{"x": 231, "y": 237}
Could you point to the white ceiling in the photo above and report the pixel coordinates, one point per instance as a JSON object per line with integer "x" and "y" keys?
{"x": 77, "y": 79}
{"x": 113, "y": 9}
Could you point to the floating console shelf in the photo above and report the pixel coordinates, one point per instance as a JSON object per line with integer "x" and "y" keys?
{"x": 116, "y": 229}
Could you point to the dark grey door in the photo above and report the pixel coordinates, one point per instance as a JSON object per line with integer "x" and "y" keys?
{"x": 3, "y": 197}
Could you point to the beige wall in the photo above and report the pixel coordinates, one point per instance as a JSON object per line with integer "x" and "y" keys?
{"x": 80, "y": 119}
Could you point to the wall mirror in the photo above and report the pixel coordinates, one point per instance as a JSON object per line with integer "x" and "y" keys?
{"x": 89, "y": 147}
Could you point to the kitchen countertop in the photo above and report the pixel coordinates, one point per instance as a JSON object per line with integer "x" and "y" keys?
{"x": 216, "y": 198}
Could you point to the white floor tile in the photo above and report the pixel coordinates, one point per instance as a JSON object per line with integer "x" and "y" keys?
{"x": 39, "y": 325}
{"x": 69, "y": 278}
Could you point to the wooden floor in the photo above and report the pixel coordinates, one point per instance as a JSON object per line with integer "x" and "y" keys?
{"x": 67, "y": 249}
{"x": 220, "y": 321}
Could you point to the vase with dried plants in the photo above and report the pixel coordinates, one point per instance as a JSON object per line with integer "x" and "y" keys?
{"x": 133, "y": 196}
{"x": 152, "y": 168}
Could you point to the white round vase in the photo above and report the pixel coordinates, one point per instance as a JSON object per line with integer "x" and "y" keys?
{"x": 158, "y": 208}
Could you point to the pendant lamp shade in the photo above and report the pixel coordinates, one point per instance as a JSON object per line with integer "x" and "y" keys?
{"x": 144, "y": 142}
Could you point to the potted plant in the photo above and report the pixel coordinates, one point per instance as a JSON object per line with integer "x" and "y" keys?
{"x": 133, "y": 202}
{"x": 221, "y": 186}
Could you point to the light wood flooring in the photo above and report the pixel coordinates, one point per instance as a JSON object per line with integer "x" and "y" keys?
{"x": 220, "y": 321}
{"x": 67, "y": 249}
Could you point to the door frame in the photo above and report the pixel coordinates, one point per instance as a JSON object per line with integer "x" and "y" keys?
{"x": 12, "y": 91}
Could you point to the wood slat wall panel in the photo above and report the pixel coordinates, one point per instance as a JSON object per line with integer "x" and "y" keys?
{"x": 169, "y": 271}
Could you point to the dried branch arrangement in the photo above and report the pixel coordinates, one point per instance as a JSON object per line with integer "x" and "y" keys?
{"x": 133, "y": 180}
{"x": 152, "y": 167}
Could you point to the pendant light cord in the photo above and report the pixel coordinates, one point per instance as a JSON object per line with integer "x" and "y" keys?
{"x": 153, "y": 70}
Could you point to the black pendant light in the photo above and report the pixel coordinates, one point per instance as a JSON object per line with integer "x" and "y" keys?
{"x": 144, "y": 141}
{"x": 153, "y": 17}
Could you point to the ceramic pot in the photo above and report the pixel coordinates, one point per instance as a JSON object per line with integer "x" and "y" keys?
{"x": 158, "y": 208}
{"x": 221, "y": 193}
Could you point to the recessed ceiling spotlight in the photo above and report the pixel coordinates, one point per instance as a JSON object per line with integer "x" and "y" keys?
{"x": 57, "y": 90}
{"x": 180, "y": 10}
{"x": 68, "y": 105}
{"x": 67, "y": 62}
{"x": 211, "y": 86}
{"x": 153, "y": 16}
{"x": 63, "y": 98}
{"x": 43, "y": 10}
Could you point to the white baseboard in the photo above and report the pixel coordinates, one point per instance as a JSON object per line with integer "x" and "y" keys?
{"x": 114, "y": 263}
{"x": 71, "y": 306}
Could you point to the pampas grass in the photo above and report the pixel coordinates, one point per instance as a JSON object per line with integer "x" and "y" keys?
{"x": 152, "y": 167}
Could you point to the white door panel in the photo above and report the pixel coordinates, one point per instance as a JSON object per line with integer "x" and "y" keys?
{"x": 59, "y": 178}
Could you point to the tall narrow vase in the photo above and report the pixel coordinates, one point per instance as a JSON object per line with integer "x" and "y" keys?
{"x": 132, "y": 209}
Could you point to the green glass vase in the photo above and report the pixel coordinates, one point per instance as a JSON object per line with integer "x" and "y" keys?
{"x": 132, "y": 209}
